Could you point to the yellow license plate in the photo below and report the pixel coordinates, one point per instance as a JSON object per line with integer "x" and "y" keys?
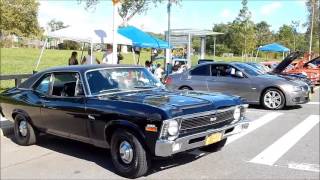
{"x": 213, "y": 138}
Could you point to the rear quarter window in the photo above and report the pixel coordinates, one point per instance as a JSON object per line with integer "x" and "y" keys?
{"x": 203, "y": 70}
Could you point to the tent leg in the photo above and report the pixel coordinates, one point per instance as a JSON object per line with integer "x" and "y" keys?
{"x": 43, "y": 47}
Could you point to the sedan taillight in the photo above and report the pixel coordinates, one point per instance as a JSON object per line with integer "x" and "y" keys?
{"x": 168, "y": 80}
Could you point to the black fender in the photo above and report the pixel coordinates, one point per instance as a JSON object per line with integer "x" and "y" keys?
{"x": 125, "y": 124}
{"x": 22, "y": 112}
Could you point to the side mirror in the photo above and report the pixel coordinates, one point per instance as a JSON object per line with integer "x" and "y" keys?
{"x": 79, "y": 90}
{"x": 239, "y": 74}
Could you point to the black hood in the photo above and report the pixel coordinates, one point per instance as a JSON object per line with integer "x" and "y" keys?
{"x": 312, "y": 61}
{"x": 286, "y": 62}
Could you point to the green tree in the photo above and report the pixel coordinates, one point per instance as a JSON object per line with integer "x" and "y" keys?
{"x": 56, "y": 25}
{"x": 129, "y": 8}
{"x": 19, "y": 17}
{"x": 263, "y": 33}
{"x": 285, "y": 36}
{"x": 243, "y": 30}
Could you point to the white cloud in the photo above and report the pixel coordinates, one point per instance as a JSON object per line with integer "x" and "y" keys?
{"x": 270, "y": 8}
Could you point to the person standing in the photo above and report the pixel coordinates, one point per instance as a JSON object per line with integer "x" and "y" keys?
{"x": 73, "y": 59}
{"x": 87, "y": 59}
{"x": 107, "y": 56}
{"x": 158, "y": 72}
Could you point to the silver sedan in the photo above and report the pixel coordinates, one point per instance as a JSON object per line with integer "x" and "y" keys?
{"x": 271, "y": 91}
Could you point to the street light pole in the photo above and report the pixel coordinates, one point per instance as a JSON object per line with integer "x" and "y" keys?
{"x": 168, "y": 52}
{"x": 115, "y": 29}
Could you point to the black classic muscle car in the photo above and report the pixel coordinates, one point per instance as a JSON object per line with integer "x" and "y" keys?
{"x": 123, "y": 108}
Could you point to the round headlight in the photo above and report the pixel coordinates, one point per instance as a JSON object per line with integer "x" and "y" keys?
{"x": 173, "y": 128}
{"x": 237, "y": 114}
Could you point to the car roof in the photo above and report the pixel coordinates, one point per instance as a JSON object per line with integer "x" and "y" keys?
{"x": 82, "y": 68}
{"x": 74, "y": 68}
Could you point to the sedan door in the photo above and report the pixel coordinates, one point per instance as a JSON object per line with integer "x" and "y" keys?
{"x": 196, "y": 78}
{"x": 64, "y": 109}
{"x": 225, "y": 79}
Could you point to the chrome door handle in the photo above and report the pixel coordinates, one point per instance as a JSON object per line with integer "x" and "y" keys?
{"x": 91, "y": 117}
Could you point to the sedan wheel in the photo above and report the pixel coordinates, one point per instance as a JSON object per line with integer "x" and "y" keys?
{"x": 273, "y": 99}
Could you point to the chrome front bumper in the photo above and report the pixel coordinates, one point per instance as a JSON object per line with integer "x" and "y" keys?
{"x": 166, "y": 148}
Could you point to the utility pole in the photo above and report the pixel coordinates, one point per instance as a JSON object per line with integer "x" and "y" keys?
{"x": 168, "y": 52}
{"x": 311, "y": 30}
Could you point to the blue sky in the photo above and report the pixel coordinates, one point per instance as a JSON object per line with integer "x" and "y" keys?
{"x": 197, "y": 14}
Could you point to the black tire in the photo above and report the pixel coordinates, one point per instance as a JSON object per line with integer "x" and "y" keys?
{"x": 276, "y": 107}
{"x": 30, "y": 137}
{"x": 140, "y": 162}
{"x": 215, "y": 146}
{"x": 185, "y": 88}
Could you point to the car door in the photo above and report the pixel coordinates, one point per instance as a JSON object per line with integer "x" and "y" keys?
{"x": 196, "y": 78}
{"x": 226, "y": 80}
{"x": 63, "y": 109}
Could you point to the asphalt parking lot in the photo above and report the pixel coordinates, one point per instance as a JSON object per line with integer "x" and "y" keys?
{"x": 277, "y": 145}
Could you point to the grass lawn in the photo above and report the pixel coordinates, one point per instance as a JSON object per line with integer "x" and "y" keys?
{"x": 23, "y": 60}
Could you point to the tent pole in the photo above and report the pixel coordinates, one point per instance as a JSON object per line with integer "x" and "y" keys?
{"x": 43, "y": 47}
{"x": 82, "y": 51}
{"x": 91, "y": 52}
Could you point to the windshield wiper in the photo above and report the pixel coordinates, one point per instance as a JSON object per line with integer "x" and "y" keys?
{"x": 144, "y": 87}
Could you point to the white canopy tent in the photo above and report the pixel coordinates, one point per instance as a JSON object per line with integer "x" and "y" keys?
{"x": 86, "y": 34}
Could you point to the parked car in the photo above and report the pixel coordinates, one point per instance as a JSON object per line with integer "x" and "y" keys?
{"x": 123, "y": 108}
{"x": 201, "y": 61}
{"x": 316, "y": 61}
{"x": 300, "y": 77}
{"x": 288, "y": 66}
{"x": 271, "y": 91}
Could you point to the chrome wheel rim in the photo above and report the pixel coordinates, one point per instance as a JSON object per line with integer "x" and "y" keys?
{"x": 23, "y": 128}
{"x": 126, "y": 152}
{"x": 272, "y": 99}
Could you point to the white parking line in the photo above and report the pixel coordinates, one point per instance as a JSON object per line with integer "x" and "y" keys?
{"x": 316, "y": 103}
{"x": 304, "y": 167}
{"x": 255, "y": 125}
{"x": 272, "y": 153}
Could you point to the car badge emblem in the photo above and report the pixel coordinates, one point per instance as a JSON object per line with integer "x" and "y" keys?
{"x": 213, "y": 119}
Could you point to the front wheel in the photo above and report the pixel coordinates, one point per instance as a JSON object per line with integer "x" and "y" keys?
{"x": 273, "y": 99}
{"x": 23, "y": 131}
{"x": 129, "y": 157}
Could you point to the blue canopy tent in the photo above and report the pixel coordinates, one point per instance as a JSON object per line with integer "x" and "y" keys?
{"x": 142, "y": 39}
{"x": 273, "y": 47}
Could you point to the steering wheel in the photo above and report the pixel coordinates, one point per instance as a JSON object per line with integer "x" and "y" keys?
{"x": 140, "y": 83}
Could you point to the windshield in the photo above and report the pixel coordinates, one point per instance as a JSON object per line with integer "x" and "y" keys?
{"x": 249, "y": 69}
{"x": 103, "y": 81}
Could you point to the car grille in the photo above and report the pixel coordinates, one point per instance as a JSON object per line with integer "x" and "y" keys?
{"x": 211, "y": 120}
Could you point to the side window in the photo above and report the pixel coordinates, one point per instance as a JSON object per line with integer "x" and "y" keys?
{"x": 214, "y": 70}
{"x": 67, "y": 85}
{"x": 203, "y": 70}
{"x": 43, "y": 86}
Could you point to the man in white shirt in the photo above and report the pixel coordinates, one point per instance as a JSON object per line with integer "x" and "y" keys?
{"x": 107, "y": 56}
{"x": 158, "y": 72}
{"x": 87, "y": 59}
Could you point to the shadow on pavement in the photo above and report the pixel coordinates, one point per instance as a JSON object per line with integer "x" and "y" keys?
{"x": 102, "y": 156}
{"x": 259, "y": 107}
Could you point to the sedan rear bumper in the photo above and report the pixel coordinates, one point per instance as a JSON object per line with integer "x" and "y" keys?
{"x": 166, "y": 148}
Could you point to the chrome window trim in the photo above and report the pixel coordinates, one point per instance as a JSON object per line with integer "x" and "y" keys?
{"x": 63, "y": 71}
{"x": 104, "y": 68}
